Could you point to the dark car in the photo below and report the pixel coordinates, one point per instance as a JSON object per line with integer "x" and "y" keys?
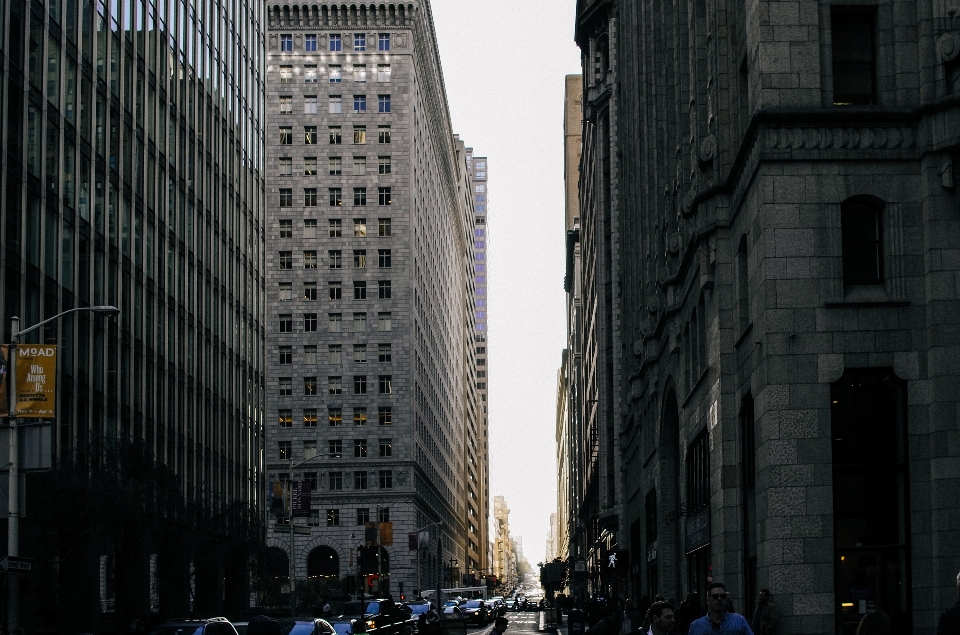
{"x": 383, "y": 617}
{"x": 476, "y": 611}
{"x": 212, "y": 626}
{"x": 305, "y": 626}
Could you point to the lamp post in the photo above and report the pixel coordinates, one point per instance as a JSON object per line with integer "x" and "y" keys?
{"x": 291, "y": 569}
{"x": 13, "y": 485}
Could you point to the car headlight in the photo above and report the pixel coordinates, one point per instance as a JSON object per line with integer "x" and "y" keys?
{"x": 371, "y": 623}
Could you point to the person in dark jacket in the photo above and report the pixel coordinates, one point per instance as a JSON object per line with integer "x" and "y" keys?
{"x": 949, "y": 623}
{"x": 765, "y": 617}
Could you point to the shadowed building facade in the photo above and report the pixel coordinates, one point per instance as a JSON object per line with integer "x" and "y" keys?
{"x": 784, "y": 197}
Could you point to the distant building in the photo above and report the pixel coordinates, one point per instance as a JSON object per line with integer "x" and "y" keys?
{"x": 371, "y": 388}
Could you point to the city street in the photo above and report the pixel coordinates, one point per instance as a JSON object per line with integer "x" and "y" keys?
{"x": 523, "y": 622}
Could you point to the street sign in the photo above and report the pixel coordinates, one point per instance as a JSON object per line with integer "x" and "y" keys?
{"x": 13, "y": 564}
{"x": 36, "y": 381}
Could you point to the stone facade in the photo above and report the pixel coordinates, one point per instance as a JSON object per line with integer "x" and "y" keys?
{"x": 788, "y": 221}
{"x": 367, "y": 81}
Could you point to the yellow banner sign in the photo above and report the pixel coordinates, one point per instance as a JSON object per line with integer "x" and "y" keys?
{"x": 36, "y": 381}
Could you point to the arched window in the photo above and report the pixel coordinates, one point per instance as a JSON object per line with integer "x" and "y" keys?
{"x": 870, "y": 498}
{"x": 862, "y": 230}
{"x": 323, "y": 562}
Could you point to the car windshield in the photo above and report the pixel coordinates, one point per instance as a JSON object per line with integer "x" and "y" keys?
{"x": 178, "y": 629}
{"x": 474, "y": 604}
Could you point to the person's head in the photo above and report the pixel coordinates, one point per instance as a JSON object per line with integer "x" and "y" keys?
{"x": 628, "y": 605}
{"x": 663, "y": 616}
{"x": 501, "y": 624}
{"x": 717, "y": 598}
{"x": 764, "y": 595}
{"x": 874, "y": 623}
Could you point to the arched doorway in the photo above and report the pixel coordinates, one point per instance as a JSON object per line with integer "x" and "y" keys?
{"x": 323, "y": 562}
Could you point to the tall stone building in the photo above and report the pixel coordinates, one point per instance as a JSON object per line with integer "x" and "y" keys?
{"x": 132, "y": 176}
{"x": 784, "y": 177}
{"x": 505, "y": 565}
{"x": 371, "y": 386}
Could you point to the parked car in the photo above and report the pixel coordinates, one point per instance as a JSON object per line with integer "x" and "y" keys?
{"x": 212, "y": 626}
{"x": 497, "y": 606}
{"x": 305, "y": 626}
{"x": 476, "y": 611}
{"x": 382, "y": 617}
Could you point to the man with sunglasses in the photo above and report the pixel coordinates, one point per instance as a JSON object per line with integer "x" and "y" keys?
{"x": 718, "y": 620}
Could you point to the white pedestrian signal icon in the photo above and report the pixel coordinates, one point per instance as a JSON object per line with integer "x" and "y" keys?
{"x": 612, "y": 561}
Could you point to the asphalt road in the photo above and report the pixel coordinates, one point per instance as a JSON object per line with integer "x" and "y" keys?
{"x": 522, "y": 622}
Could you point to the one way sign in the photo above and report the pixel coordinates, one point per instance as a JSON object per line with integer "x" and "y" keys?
{"x": 13, "y": 564}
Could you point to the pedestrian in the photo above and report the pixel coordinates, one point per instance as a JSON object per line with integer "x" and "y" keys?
{"x": 874, "y": 623}
{"x": 687, "y": 613}
{"x": 500, "y": 626}
{"x": 949, "y": 623}
{"x": 632, "y": 618}
{"x": 765, "y": 617}
{"x": 607, "y": 625}
{"x": 663, "y": 618}
{"x": 717, "y": 619}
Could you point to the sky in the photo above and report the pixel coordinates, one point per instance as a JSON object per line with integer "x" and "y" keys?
{"x": 504, "y": 63}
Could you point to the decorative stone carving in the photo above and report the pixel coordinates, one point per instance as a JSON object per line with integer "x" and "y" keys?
{"x": 708, "y": 148}
{"x": 949, "y": 46}
{"x": 273, "y": 42}
{"x": 838, "y": 138}
{"x": 638, "y": 349}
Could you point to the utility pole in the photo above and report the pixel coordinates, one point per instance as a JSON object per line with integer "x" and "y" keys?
{"x": 439, "y": 569}
{"x": 13, "y": 485}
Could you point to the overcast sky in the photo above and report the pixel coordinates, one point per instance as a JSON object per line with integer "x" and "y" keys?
{"x": 503, "y": 63}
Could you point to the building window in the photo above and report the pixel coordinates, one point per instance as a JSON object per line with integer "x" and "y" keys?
{"x": 359, "y": 135}
{"x": 359, "y": 42}
{"x": 286, "y": 229}
{"x": 286, "y": 42}
{"x": 333, "y": 518}
{"x": 360, "y": 258}
{"x": 285, "y": 291}
{"x": 336, "y": 291}
{"x": 386, "y": 448}
{"x": 854, "y": 56}
{"x": 310, "y": 104}
{"x": 359, "y": 73}
{"x": 335, "y": 322}
{"x": 384, "y": 291}
{"x": 384, "y": 321}
{"x": 383, "y": 227}
{"x": 309, "y": 322}
{"x": 383, "y": 258}
{"x": 385, "y": 415}
{"x": 335, "y": 196}
{"x": 359, "y": 416}
{"x": 335, "y": 385}
{"x": 309, "y": 197}
{"x": 286, "y": 105}
{"x": 359, "y": 290}
{"x": 363, "y": 515}
{"x": 286, "y": 355}
{"x": 384, "y": 165}
{"x": 359, "y": 104}
{"x": 698, "y": 473}
{"x": 335, "y": 227}
{"x": 359, "y": 384}
{"x": 336, "y": 135}
{"x": 359, "y": 196}
{"x": 310, "y": 386}
{"x": 310, "y": 354}
{"x": 385, "y": 383}
{"x": 871, "y": 505}
{"x": 335, "y": 74}
{"x": 312, "y": 478}
{"x": 310, "y": 418}
{"x": 310, "y": 259}
{"x": 286, "y": 135}
{"x": 286, "y": 323}
{"x": 286, "y": 74}
{"x": 383, "y": 514}
{"x": 383, "y": 73}
{"x": 359, "y": 322}
{"x": 336, "y": 481}
{"x": 360, "y": 227}
{"x": 383, "y": 103}
{"x": 285, "y": 418}
{"x": 286, "y": 197}
{"x": 285, "y": 449}
{"x": 285, "y": 386}
{"x": 360, "y": 353}
{"x": 383, "y": 42}
{"x": 286, "y": 260}
{"x": 336, "y": 258}
{"x": 335, "y": 105}
{"x": 383, "y": 353}
{"x": 310, "y": 74}
{"x": 359, "y": 166}
{"x": 310, "y": 169}
{"x": 384, "y": 196}
{"x": 286, "y": 167}
{"x": 335, "y": 418}
{"x": 383, "y": 134}
{"x": 360, "y": 482}
{"x": 336, "y": 43}
{"x": 310, "y": 42}
{"x": 335, "y": 165}
{"x": 310, "y": 135}
{"x": 862, "y": 233}
{"x": 386, "y": 479}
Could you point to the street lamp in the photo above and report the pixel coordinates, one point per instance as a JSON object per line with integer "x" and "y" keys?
{"x": 291, "y": 564}
{"x": 13, "y": 487}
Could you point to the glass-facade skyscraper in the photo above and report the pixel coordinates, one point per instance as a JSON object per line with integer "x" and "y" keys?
{"x": 131, "y": 161}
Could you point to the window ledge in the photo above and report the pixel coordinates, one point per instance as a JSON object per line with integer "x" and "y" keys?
{"x": 866, "y": 303}
{"x": 743, "y": 336}
{"x": 696, "y": 385}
